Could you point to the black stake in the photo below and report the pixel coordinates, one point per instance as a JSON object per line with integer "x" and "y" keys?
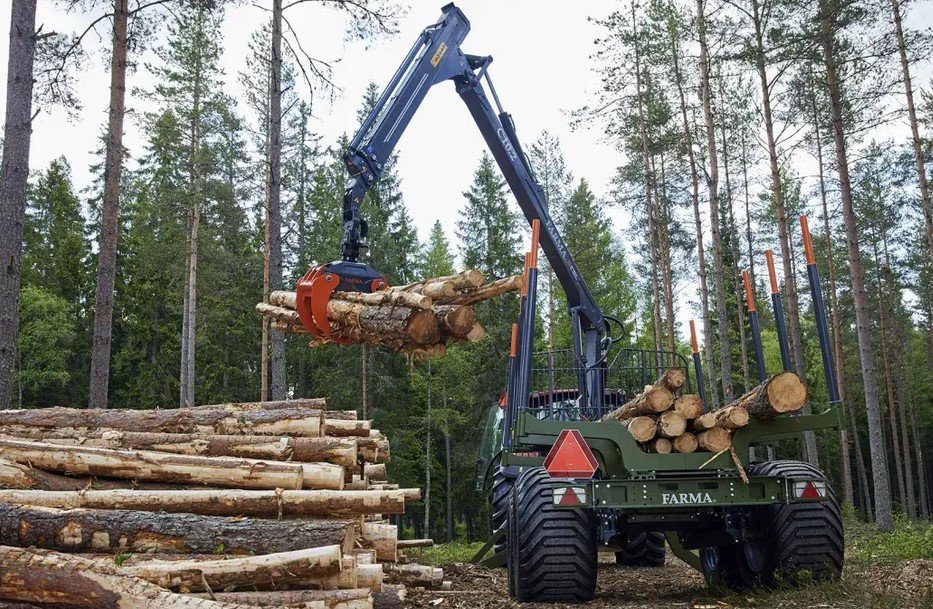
{"x": 698, "y": 366}
{"x": 778, "y": 313}
{"x": 829, "y": 370}
{"x": 756, "y": 329}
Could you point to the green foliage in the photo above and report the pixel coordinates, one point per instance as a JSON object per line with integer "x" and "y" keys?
{"x": 446, "y": 553}
{"x": 908, "y": 541}
{"x": 46, "y": 335}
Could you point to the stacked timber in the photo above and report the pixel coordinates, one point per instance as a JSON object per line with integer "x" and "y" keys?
{"x": 260, "y": 504}
{"x": 419, "y": 318}
{"x": 662, "y": 421}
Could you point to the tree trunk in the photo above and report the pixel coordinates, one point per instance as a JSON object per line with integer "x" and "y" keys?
{"x": 14, "y": 174}
{"x": 119, "y": 531}
{"x": 298, "y": 422}
{"x": 110, "y": 214}
{"x": 221, "y": 502}
{"x": 848, "y": 492}
{"x": 48, "y": 577}
{"x": 173, "y": 469}
{"x": 427, "y": 458}
{"x": 725, "y": 348}
{"x": 274, "y": 219}
{"x": 252, "y": 571}
{"x": 921, "y": 468}
{"x": 883, "y": 507}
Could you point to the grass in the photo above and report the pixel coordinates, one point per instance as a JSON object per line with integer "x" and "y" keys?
{"x": 909, "y": 540}
{"x": 445, "y": 553}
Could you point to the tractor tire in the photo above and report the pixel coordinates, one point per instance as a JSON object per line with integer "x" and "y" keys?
{"x": 797, "y": 538}
{"x": 501, "y": 489}
{"x": 802, "y": 537}
{"x": 644, "y": 549}
{"x": 552, "y": 550}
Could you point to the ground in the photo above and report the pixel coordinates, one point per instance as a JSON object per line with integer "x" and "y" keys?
{"x": 883, "y": 571}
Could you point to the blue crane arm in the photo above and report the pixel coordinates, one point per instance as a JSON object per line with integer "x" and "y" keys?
{"x": 436, "y": 57}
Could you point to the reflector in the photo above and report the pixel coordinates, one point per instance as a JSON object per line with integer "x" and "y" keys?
{"x": 570, "y": 457}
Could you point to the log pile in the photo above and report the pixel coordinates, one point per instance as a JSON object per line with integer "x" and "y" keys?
{"x": 420, "y": 318}
{"x": 663, "y": 422}
{"x": 264, "y": 504}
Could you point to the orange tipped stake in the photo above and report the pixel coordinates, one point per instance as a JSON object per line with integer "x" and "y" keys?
{"x": 693, "y": 337}
{"x": 698, "y": 365}
{"x": 513, "y": 348}
{"x": 753, "y": 322}
{"x": 769, "y": 258}
{"x": 749, "y": 292}
{"x": 535, "y": 234}
{"x": 807, "y": 244}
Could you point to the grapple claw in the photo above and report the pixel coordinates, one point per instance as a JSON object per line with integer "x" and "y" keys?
{"x": 314, "y": 290}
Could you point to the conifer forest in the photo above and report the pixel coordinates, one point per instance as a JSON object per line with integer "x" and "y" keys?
{"x": 724, "y": 122}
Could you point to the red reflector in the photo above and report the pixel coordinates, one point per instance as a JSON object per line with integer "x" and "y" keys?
{"x": 571, "y": 498}
{"x": 570, "y": 457}
{"x": 810, "y": 492}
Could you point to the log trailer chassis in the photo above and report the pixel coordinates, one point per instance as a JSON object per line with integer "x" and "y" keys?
{"x": 784, "y": 519}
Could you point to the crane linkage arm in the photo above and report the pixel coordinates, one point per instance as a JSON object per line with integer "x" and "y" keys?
{"x": 436, "y": 57}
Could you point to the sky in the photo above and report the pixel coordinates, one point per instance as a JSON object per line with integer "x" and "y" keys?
{"x": 542, "y": 71}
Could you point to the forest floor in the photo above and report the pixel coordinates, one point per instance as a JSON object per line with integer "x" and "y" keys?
{"x": 891, "y": 571}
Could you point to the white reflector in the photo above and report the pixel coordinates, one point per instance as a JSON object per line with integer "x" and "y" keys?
{"x": 570, "y": 496}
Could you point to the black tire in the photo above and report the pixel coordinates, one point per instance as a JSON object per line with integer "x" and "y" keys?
{"x": 552, "y": 551}
{"x": 796, "y": 538}
{"x": 802, "y": 537}
{"x": 501, "y": 489}
{"x": 644, "y": 549}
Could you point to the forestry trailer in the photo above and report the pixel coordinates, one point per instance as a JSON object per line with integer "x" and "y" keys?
{"x": 565, "y": 485}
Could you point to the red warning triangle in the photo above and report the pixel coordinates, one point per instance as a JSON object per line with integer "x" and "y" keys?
{"x": 570, "y": 457}
{"x": 570, "y": 498}
{"x": 810, "y": 492}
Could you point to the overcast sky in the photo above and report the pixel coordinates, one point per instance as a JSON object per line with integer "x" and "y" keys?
{"x": 542, "y": 71}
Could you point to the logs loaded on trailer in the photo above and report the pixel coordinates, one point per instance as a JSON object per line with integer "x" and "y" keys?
{"x": 663, "y": 422}
{"x": 420, "y": 318}
{"x": 278, "y": 506}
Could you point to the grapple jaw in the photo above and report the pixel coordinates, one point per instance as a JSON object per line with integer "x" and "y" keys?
{"x": 314, "y": 290}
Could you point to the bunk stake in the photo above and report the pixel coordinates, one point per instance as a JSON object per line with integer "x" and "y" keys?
{"x": 819, "y": 308}
{"x": 778, "y": 313}
{"x": 698, "y": 366}
{"x": 756, "y": 329}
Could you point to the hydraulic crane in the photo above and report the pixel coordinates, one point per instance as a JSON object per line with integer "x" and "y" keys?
{"x": 437, "y": 57}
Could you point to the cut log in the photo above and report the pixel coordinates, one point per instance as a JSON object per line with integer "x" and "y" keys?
{"x": 476, "y": 333}
{"x": 414, "y": 575}
{"x": 653, "y": 400}
{"x": 254, "y": 571}
{"x": 169, "y": 468}
{"x": 456, "y": 320}
{"x": 465, "y": 280}
{"x": 221, "y": 502}
{"x": 662, "y": 446}
{"x": 415, "y": 543}
{"x": 369, "y": 575}
{"x": 18, "y": 476}
{"x": 411, "y": 494}
{"x": 641, "y": 428}
{"x": 339, "y": 451}
{"x": 357, "y": 598}
{"x": 389, "y": 596}
{"x": 673, "y": 379}
{"x": 685, "y": 443}
{"x": 290, "y": 421}
{"x": 391, "y": 298}
{"x": 376, "y": 471}
{"x": 689, "y": 405}
{"x": 671, "y": 424}
{"x": 715, "y": 440}
{"x": 105, "y": 531}
{"x": 485, "y": 291}
{"x": 780, "y": 394}
{"x": 38, "y": 576}
{"x": 312, "y": 403}
{"x": 341, "y": 428}
{"x": 383, "y": 538}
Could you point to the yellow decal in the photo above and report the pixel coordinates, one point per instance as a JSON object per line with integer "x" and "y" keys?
{"x": 439, "y": 54}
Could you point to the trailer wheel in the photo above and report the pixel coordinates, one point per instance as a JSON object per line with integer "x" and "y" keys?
{"x": 802, "y": 537}
{"x": 552, "y": 551}
{"x": 644, "y": 549}
{"x": 501, "y": 489}
{"x": 796, "y": 538}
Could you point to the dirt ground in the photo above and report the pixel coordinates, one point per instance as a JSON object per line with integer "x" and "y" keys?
{"x": 905, "y": 586}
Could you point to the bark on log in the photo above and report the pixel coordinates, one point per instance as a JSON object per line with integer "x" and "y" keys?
{"x": 414, "y": 575}
{"x": 169, "y": 468}
{"x": 376, "y": 472}
{"x": 671, "y": 424}
{"x": 373, "y": 449}
{"x": 485, "y": 291}
{"x": 257, "y": 571}
{"x": 17, "y": 476}
{"x": 464, "y": 280}
{"x": 291, "y": 421}
{"x": 37, "y": 576}
{"x": 641, "y": 428}
{"x": 715, "y": 440}
{"x": 685, "y": 443}
{"x": 344, "y": 429}
{"x": 415, "y": 543}
{"x": 220, "y": 502}
{"x": 689, "y": 405}
{"x": 730, "y": 417}
{"x": 653, "y": 400}
{"x": 87, "y": 530}
{"x": 357, "y": 598}
{"x": 389, "y": 596}
{"x": 311, "y": 403}
{"x": 780, "y": 394}
{"x": 662, "y": 446}
{"x": 339, "y": 451}
{"x": 369, "y": 575}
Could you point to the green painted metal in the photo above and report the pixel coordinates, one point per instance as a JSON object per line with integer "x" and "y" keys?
{"x": 688, "y": 556}
{"x": 497, "y": 559}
